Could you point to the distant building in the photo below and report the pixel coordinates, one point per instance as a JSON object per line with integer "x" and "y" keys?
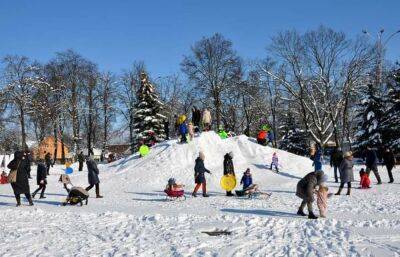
{"x": 48, "y": 146}
{"x": 119, "y": 149}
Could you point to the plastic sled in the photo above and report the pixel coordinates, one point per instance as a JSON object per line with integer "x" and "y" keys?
{"x": 228, "y": 182}
{"x": 175, "y": 195}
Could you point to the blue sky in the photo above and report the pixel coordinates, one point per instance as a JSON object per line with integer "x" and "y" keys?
{"x": 113, "y": 34}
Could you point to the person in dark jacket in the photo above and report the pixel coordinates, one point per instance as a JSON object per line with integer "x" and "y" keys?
{"x": 317, "y": 161}
{"x": 228, "y": 168}
{"x": 390, "y": 161}
{"x": 93, "y": 176}
{"x": 305, "y": 190}
{"x": 196, "y": 118}
{"x": 346, "y": 172}
{"x": 28, "y": 158}
{"x": 47, "y": 159}
{"x": 336, "y": 160}
{"x": 41, "y": 180}
{"x": 81, "y": 159}
{"x": 166, "y": 129}
{"x": 199, "y": 178}
{"x": 247, "y": 179}
{"x": 21, "y": 186}
{"x": 371, "y": 161}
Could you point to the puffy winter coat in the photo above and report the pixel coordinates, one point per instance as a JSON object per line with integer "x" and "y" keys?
{"x": 389, "y": 159}
{"x": 19, "y": 163}
{"x": 41, "y": 173}
{"x": 365, "y": 182}
{"x": 206, "y": 117}
{"x": 336, "y": 158}
{"x": 346, "y": 171}
{"x": 196, "y": 117}
{"x": 199, "y": 170}
{"x": 228, "y": 165}
{"x": 371, "y": 159}
{"x": 47, "y": 158}
{"x": 183, "y": 130}
{"x": 93, "y": 172}
{"x": 262, "y": 135}
{"x": 306, "y": 186}
{"x": 246, "y": 181}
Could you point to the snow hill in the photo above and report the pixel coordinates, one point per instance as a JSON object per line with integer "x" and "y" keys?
{"x": 134, "y": 219}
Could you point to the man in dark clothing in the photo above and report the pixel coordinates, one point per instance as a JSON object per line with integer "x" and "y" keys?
{"x": 196, "y": 118}
{"x": 28, "y": 158}
{"x": 41, "y": 179}
{"x": 371, "y": 161}
{"x": 21, "y": 186}
{"x": 336, "y": 160}
{"x": 305, "y": 190}
{"x": 228, "y": 168}
{"x": 47, "y": 159}
{"x": 93, "y": 176}
{"x": 166, "y": 129}
{"x": 81, "y": 159}
{"x": 389, "y": 161}
{"x": 199, "y": 177}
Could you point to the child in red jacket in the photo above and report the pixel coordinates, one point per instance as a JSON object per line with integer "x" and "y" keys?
{"x": 365, "y": 182}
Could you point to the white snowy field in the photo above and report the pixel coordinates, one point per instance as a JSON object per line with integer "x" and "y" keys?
{"x": 134, "y": 219}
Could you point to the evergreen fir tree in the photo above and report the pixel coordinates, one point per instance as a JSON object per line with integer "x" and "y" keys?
{"x": 371, "y": 112}
{"x": 148, "y": 121}
{"x": 295, "y": 140}
{"x": 391, "y": 123}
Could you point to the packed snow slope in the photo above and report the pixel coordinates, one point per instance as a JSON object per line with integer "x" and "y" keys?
{"x": 134, "y": 219}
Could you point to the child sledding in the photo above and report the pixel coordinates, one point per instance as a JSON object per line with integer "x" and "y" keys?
{"x": 249, "y": 189}
{"x": 76, "y": 195}
{"x": 174, "y": 190}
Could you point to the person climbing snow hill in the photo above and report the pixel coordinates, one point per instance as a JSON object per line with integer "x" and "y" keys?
{"x": 199, "y": 177}
{"x": 228, "y": 168}
{"x": 183, "y": 130}
{"x": 275, "y": 162}
{"x": 262, "y": 137}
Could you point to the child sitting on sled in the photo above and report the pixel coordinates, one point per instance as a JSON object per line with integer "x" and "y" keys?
{"x": 365, "y": 182}
{"x": 173, "y": 186}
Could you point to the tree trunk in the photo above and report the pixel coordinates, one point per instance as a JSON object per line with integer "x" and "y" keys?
{"x": 23, "y": 133}
{"x": 55, "y": 143}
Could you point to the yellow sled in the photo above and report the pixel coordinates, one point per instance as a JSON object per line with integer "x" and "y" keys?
{"x": 228, "y": 182}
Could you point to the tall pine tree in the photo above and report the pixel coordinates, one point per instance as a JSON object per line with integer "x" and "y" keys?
{"x": 295, "y": 139}
{"x": 370, "y": 115}
{"x": 391, "y": 123}
{"x": 148, "y": 121}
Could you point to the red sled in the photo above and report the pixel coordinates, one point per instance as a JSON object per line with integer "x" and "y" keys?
{"x": 3, "y": 178}
{"x": 175, "y": 195}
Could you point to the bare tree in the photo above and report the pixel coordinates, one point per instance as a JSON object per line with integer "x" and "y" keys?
{"x": 213, "y": 67}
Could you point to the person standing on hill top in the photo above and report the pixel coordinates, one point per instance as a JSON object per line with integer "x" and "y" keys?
{"x": 47, "y": 159}
{"x": 191, "y": 130}
{"x": 196, "y": 119}
{"x": 81, "y": 159}
{"x": 390, "y": 161}
{"x": 199, "y": 178}
{"x": 336, "y": 160}
{"x": 371, "y": 161}
{"x": 228, "y": 168}
{"x": 183, "y": 130}
{"x": 206, "y": 120}
{"x": 262, "y": 137}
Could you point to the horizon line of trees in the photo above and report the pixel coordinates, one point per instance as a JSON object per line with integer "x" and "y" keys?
{"x": 319, "y": 85}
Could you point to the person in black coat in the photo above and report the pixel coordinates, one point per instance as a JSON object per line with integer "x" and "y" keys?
{"x": 371, "y": 161}
{"x": 166, "y": 129}
{"x": 199, "y": 178}
{"x": 228, "y": 168}
{"x": 41, "y": 179}
{"x": 81, "y": 159}
{"x": 196, "y": 118}
{"x": 21, "y": 186}
{"x": 47, "y": 159}
{"x": 93, "y": 176}
{"x": 305, "y": 190}
{"x": 336, "y": 160}
{"x": 28, "y": 158}
{"x": 390, "y": 161}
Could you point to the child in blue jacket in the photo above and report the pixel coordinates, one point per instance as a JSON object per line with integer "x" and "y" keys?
{"x": 247, "y": 179}
{"x": 183, "y": 130}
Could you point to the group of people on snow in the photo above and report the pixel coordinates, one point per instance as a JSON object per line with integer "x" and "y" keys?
{"x": 21, "y": 166}
{"x": 201, "y": 121}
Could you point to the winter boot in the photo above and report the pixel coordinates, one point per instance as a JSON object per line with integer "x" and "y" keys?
{"x": 205, "y": 195}
{"x": 30, "y": 201}
{"x": 194, "y": 194}
{"x": 300, "y": 212}
{"x": 229, "y": 193}
{"x": 42, "y": 196}
{"x": 312, "y": 216}
{"x": 338, "y": 192}
{"x": 348, "y": 191}
{"x": 18, "y": 198}
{"x": 33, "y": 195}
{"x": 98, "y": 192}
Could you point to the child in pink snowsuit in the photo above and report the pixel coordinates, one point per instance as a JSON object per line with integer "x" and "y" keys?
{"x": 322, "y": 200}
{"x": 274, "y": 162}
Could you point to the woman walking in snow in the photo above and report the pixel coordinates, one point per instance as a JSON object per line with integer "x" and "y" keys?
{"x": 199, "y": 178}
{"x": 228, "y": 168}
{"x": 41, "y": 179}
{"x": 21, "y": 185}
{"x": 346, "y": 172}
{"x": 93, "y": 176}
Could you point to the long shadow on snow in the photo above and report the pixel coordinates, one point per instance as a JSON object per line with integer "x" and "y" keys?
{"x": 282, "y": 191}
{"x": 267, "y": 167}
{"x": 150, "y": 200}
{"x": 6, "y": 204}
{"x": 261, "y": 212}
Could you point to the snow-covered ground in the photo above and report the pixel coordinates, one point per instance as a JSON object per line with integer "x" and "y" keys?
{"x": 134, "y": 219}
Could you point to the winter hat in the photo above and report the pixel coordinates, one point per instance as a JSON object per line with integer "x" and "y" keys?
{"x": 201, "y": 155}
{"x": 348, "y": 154}
{"x": 231, "y": 154}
